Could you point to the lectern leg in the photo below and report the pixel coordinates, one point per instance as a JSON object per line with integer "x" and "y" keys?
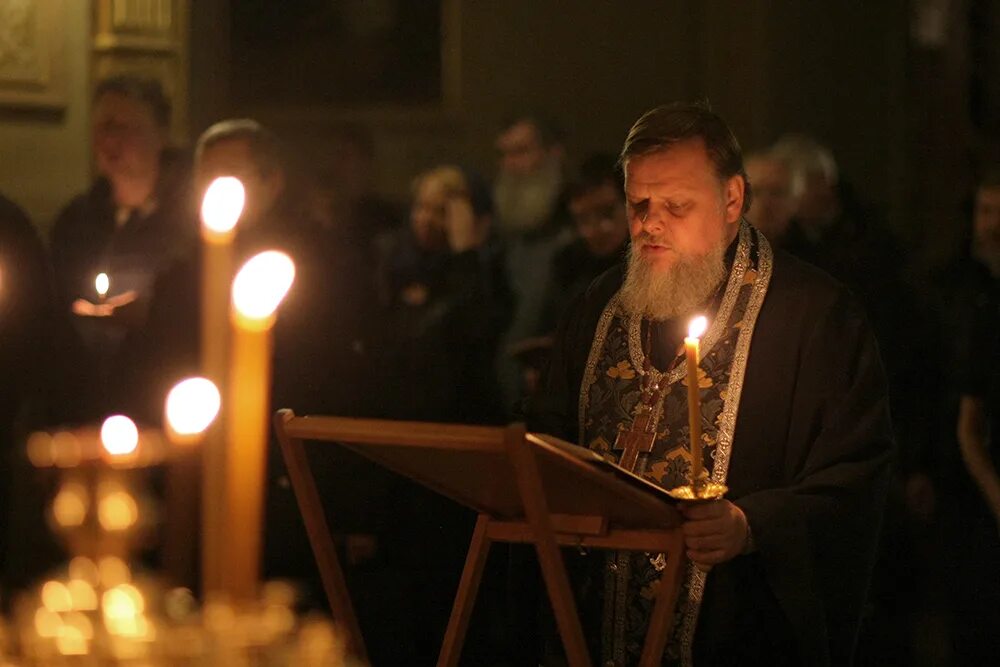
{"x": 465, "y": 599}
{"x": 529, "y": 485}
{"x": 663, "y": 611}
{"x": 318, "y": 531}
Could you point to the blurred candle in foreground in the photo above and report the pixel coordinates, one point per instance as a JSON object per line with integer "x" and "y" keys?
{"x": 258, "y": 290}
{"x": 102, "y": 284}
{"x": 191, "y": 407}
{"x": 119, "y": 435}
{"x": 221, "y": 208}
{"x": 696, "y": 329}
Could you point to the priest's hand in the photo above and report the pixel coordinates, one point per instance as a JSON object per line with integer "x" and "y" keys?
{"x": 714, "y": 531}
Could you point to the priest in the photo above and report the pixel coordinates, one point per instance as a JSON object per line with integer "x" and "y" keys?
{"x": 794, "y": 411}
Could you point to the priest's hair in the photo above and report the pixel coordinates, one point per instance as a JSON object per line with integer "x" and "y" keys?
{"x": 677, "y": 291}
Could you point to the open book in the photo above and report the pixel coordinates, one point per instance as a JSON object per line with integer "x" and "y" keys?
{"x": 592, "y": 457}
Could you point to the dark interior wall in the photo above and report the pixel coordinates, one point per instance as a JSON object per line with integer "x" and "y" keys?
{"x": 593, "y": 66}
{"x": 834, "y": 69}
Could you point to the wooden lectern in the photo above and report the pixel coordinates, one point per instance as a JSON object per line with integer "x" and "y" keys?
{"x": 527, "y": 488}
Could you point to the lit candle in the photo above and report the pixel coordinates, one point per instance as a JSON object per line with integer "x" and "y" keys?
{"x": 258, "y": 290}
{"x": 191, "y": 407}
{"x": 102, "y": 284}
{"x": 119, "y": 435}
{"x": 220, "y": 211}
{"x": 695, "y": 331}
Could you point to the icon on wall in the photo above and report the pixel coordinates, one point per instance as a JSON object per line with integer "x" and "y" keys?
{"x": 32, "y": 56}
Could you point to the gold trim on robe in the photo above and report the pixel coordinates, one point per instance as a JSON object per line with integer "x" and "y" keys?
{"x": 726, "y": 347}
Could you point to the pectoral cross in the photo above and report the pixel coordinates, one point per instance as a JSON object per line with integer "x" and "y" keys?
{"x": 639, "y": 438}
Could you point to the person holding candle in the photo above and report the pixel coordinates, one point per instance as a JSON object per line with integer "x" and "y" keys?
{"x": 134, "y": 222}
{"x": 790, "y": 400}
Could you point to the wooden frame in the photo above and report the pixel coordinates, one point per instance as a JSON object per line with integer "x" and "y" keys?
{"x": 33, "y": 54}
{"x": 446, "y": 109}
{"x": 526, "y": 490}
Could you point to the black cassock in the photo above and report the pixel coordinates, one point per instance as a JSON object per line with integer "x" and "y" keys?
{"x": 809, "y": 465}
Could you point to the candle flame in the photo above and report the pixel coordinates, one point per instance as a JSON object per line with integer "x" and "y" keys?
{"x": 102, "y": 284}
{"x": 262, "y": 283}
{"x": 119, "y": 435}
{"x": 697, "y": 327}
{"x": 223, "y": 204}
{"x": 192, "y": 406}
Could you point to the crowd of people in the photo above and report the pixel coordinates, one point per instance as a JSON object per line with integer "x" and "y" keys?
{"x": 445, "y": 308}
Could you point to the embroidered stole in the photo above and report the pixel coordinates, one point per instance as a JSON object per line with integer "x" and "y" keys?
{"x": 610, "y": 399}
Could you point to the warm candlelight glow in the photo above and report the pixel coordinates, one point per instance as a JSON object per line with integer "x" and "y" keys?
{"x": 56, "y": 597}
{"x": 71, "y": 641}
{"x": 223, "y": 204}
{"x": 258, "y": 289}
{"x": 113, "y": 572}
{"x": 47, "y": 623}
{"x": 123, "y": 608}
{"x": 83, "y": 569}
{"x": 102, "y": 284}
{"x": 122, "y": 601}
{"x": 262, "y": 283}
{"x": 119, "y": 435}
{"x": 70, "y": 505}
{"x": 82, "y": 623}
{"x": 692, "y": 353}
{"x": 82, "y": 594}
{"x": 192, "y": 406}
{"x": 117, "y": 509}
{"x": 697, "y": 327}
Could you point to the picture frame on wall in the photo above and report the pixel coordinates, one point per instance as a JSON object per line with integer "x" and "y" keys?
{"x": 353, "y": 56}
{"x": 32, "y": 54}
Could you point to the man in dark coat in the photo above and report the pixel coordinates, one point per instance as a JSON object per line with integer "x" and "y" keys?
{"x": 132, "y": 224}
{"x": 794, "y": 413}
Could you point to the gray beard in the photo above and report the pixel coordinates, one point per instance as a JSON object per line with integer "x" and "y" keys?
{"x": 525, "y": 203}
{"x": 678, "y": 291}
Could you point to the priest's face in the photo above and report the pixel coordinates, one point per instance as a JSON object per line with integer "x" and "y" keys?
{"x": 679, "y": 209}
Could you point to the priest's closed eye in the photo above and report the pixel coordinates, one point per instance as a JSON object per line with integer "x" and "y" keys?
{"x": 639, "y": 209}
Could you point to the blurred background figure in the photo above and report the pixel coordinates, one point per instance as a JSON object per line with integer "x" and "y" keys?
{"x": 33, "y": 381}
{"x": 832, "y": 229}
{"x": 445, "y": 304}
{"x": 357, "y": 211}
{"x": 596, "y": 205}
{"x": 533, "y": 226}
{"x": 134, "y": 221}
{"x": 320, "y": 339}
{"x": 25, "y": 314}
{"x": 963, "y": 466}
{"x": 595, "y": 202}
{"x": 777, "y": 191}
{"x": 443, "y": 288}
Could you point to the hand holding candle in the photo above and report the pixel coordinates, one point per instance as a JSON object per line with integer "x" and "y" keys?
{"x": 696, "y": 330}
